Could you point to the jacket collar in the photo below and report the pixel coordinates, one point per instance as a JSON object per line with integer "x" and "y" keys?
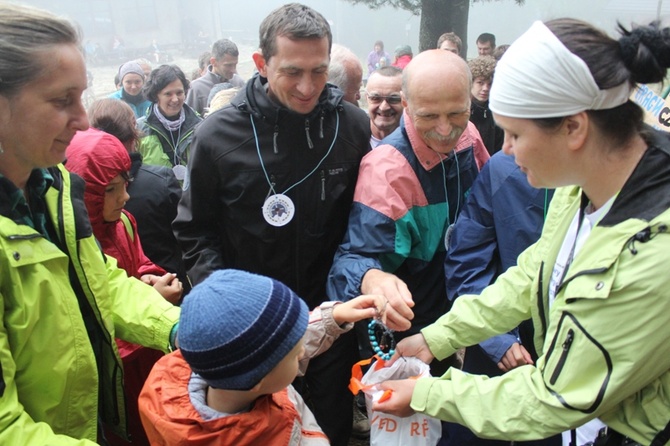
{"x": 192, "y": 118}
{"x": 39, "y": 182}
{"x": 428, "y": 158}
{"x": 646, "y": 193}
{"x": 257, "y": 101}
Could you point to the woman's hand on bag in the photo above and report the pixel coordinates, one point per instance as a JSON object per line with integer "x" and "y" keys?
{"x": 401, "y": 396}
{"x": 415, "y": 346}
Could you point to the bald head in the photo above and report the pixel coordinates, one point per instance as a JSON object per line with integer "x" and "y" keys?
{"x": 436, "y": 96}
{"x": 436, "y": 68}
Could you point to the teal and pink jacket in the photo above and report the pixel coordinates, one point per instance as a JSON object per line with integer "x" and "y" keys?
{"x": 400, "y": 216}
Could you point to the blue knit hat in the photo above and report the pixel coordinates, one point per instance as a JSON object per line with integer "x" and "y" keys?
{"x": 235, "y": 327}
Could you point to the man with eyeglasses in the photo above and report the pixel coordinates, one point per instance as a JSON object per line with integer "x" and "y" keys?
{"x": 410, "y": 190}
{"x": 384, "y": 102}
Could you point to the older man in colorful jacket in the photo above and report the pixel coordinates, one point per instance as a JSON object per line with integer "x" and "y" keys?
{"x": 410, "y": 190}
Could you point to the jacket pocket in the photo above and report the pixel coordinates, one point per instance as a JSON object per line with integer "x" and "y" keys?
{"x": 329, "y": 194}
{"x": 577, "y": 368}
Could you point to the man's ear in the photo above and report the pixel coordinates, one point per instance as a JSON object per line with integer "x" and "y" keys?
{"x": 577, "y": 129}
{"x": 212, "y": 60}
{"x": 403, "y": 100}
{"x": 261, "y": 63}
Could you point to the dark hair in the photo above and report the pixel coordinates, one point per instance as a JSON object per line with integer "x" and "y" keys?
{"x": 160, "y": 78}
{"x": 26, "y": 34}
{"x": 380, "y": 44}
{"x": 487, "y": 38}
{"x": 451, "y": 37}
{"x": 640, "y": 55}
{"x": 116, "y": 118}
{"x": 294, "y": 21}
{"x": 222, "y": 47}
{"x": 499, "y": 51}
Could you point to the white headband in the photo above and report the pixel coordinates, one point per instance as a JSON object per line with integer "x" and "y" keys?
{"x": 538, "y": 77}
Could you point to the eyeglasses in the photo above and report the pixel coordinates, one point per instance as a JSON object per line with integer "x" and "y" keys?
{"x": 378, "y": 99}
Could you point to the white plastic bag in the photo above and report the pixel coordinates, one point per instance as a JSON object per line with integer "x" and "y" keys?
{"x": 389, "y": 430}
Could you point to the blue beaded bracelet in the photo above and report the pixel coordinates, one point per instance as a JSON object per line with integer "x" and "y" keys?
{"x": 379, "y": 345}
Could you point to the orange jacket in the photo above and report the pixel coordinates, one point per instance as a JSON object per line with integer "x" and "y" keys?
{"x": 169, "y": 418}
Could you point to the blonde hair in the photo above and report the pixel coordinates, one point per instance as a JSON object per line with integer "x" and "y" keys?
{"x": 221, "y": 99}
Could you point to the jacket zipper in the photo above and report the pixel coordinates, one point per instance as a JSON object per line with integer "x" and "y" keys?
{"x": 93, "y": 307}
{"x": 564, "y": 356}
{"x": 309, "y": 138}
{"x": 323, "y": 185}
{"x": 540, "y": 301}
{"x": 24, "y": 237}
{"x": 275, "y": 135}
{"x": 321, "y": 125}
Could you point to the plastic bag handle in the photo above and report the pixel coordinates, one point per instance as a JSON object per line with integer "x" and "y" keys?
{"x": 355, "y": 384}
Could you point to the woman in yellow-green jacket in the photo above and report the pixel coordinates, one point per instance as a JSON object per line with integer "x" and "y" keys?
{"x": 62, "y": 301}
{"x": 596, "y": 284}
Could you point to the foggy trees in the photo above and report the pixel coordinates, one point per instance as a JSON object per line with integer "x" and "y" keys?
{"x": 437, "y": 17}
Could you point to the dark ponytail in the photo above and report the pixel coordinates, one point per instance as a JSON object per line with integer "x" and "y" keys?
{"x": 641, "y": 55}
{"x": 646, "y": 52}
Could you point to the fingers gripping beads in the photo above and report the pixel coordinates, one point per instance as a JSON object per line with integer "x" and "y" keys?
{"x": 381, "y": 337}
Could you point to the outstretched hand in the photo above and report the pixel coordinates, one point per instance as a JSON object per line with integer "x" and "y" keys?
{"x": 366, "y": 306}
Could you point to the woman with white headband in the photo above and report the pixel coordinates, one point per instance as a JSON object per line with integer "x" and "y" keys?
{"x": 596, "y": 283}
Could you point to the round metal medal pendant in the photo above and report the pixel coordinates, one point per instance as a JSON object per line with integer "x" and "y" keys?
{"x": 278, "y": 210}
{"x": 179, "y": 172}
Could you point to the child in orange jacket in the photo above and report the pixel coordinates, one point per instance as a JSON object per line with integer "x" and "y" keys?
{"x": 243, "y": 338}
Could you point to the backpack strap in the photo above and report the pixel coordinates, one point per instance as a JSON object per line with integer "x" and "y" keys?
{"x": 128, "y": 225}
{"x": 662, "y": 437}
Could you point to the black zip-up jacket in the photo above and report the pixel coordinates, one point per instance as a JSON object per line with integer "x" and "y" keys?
{"x": 482, "y": 117}
{"x": 220, "y": 223}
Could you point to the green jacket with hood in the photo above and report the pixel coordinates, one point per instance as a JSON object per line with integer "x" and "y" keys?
{"x": 62, "y": 305}
{"x": 604, "y": 343}
{"x": 156, "y": 146}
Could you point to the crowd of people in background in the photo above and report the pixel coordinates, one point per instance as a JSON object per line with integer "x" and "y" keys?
{"x": 196, "y": 258}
